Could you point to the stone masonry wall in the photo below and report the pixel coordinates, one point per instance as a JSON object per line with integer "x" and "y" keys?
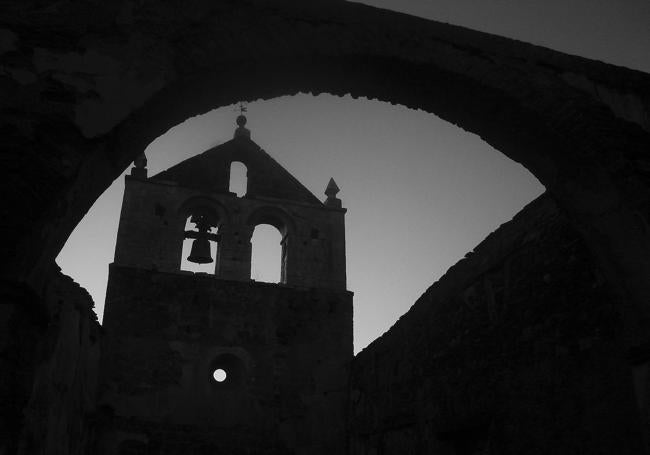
{"x": 287, "y": 349}
{"x": 152, "y": 227}
{"x": 516, "y": 350}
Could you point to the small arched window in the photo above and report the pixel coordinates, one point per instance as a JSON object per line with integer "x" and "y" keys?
{"x": 200, "y": 245}
{"x": 238, "y": 178}
{"x": 266, "y": 255}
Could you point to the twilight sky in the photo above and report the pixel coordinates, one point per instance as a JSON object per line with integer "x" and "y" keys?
{"x": 420, "y": 192}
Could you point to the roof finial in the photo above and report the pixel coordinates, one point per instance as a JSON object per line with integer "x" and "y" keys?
{"x": 331, "y": 191}
{"x": 241, "y": 130}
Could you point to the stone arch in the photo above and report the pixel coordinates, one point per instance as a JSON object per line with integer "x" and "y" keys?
{"x": 132, "y": 447}
{"x": 529, "y": 103}
{"x": 274, "y": 216}
{"x": 215, "y": 208}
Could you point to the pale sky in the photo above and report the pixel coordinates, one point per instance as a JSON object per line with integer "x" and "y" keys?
{"x": 420, "y": 192}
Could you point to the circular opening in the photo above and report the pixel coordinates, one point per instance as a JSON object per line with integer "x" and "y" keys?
{"x": 219, "y": 375}
{"x": 227, "y": 370}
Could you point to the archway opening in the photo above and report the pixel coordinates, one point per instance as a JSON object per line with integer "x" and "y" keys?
{"x": 266, "y": 254}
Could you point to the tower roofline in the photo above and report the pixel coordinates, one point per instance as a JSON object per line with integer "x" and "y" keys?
{"x": 210, "y": 171}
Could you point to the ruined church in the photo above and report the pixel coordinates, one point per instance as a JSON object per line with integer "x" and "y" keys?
{"x": 217, "y": 361}
{"x": 536, "y": 342}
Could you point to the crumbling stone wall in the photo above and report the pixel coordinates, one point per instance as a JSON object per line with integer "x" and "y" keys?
{"x": 49, "y": 363}
{"x": 516, "y": 350}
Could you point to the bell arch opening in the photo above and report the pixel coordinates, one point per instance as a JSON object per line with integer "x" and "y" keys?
{"x": 200, "y": 246}
{"x": 267, "y": 255}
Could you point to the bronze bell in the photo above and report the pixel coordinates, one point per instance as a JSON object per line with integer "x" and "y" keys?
{"x": 200, "y": 253}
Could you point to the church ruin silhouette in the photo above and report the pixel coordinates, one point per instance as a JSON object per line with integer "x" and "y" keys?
{"x": 536, "y": 342}
{"x": 223, "y": 361}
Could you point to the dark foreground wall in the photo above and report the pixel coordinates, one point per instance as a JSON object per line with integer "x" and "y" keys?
{"x": 49, "y": 353}
{"x": 514, "y": 351}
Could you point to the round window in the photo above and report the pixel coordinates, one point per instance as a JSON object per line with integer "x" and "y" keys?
{"x": 219, "y": 375}
{"x": 227, "y": 370}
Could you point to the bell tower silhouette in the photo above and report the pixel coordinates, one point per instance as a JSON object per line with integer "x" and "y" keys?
{"x": 218, "y": 362}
